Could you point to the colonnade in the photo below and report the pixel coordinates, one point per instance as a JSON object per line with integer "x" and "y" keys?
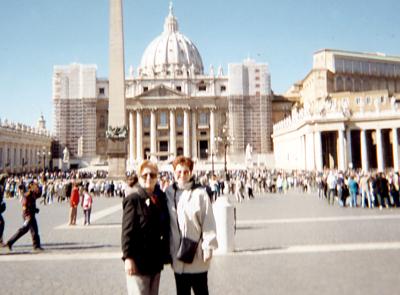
{"x": 345, "y": 149}
{"x": 187, "y": 135}
{"x": 16, "y": 157}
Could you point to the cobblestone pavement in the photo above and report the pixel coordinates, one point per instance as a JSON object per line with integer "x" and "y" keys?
{"x": 285, "y": 244}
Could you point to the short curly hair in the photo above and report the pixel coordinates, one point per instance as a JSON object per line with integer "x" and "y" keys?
{"x": 147, "y": 163}
{"x": 184, "y": 161}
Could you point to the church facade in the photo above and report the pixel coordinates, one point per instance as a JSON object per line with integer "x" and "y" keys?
{"x": 172, "y": 106}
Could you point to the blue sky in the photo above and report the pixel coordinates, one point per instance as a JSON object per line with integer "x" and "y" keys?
{"x": 35, "y": 35}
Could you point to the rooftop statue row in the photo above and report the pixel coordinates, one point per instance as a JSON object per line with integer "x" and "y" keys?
{"x": 329, "y": 107}
{"x": 22, "y": 127}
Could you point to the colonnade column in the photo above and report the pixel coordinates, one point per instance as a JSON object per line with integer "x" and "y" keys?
{"x": 186, "y": 134}
{"x": 212, "y": 131}
{"x": 348, "y": 148}
{"x": 303, "y": 165}
{"x": 29, "y": 161}
{"x": 132, "y": 144}
{"x": 139, "y": 136}
{"x": 318, "y": 151}
{"x": 172, "y": 134}
{"x": 395, "y": 144}
{"x": 5, "y": 155}
{"x": 342, "y": 149}
{"x": 194, "y": 134}
{"x": 12, "y": 164}
{"x": 364, "y": 151}
{"x": 1, "y": 157}
{"x": 310, "y": 150}
{"x": 379, "y": 149}
{"x": 26, "y": 156}
{"x": 153, "y": 134}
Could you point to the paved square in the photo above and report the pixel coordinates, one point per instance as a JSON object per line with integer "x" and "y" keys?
{"x": 285, "y": 244}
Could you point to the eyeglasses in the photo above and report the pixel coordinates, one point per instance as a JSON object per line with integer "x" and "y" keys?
{"x": 184, "y": 172}
{"x": 146, "y": 175}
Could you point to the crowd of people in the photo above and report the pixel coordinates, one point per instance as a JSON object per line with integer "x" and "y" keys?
{"x": 358, "y": 188}
{"x": 169, "y": 213}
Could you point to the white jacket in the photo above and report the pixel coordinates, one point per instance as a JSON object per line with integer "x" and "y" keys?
{"x": 196, "y": 218}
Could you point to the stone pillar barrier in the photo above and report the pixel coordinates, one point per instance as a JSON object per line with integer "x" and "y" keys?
{"x": 225, "y": 220}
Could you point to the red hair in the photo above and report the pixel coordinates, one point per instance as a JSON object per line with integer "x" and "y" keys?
{"x": 184, "y": 161}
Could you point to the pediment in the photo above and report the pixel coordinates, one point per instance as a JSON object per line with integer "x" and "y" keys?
{"x": 160, "y": 92}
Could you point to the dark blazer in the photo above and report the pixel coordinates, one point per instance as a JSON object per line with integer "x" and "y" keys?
{"x": 145, "y": 230}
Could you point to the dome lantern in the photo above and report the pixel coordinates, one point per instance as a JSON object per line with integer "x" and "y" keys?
{"x": 170, "y": 50}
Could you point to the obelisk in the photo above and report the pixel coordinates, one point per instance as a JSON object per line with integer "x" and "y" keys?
{"x": 117, "y": 130}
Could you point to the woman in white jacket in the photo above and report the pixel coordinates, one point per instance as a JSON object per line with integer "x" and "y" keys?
{"x": 191, "y": 217}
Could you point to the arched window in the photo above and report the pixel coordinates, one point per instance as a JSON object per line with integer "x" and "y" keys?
{"x": 366, "y": 85}
{"x": 357, "y": 85}
{"x": 339, "y": 84}
{"x": 349, "y": 84}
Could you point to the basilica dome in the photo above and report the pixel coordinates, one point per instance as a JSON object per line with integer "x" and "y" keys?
{"x": 171, "y": 52}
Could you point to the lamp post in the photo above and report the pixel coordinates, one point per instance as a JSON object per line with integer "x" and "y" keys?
{"x": 226, "y": 140}
{"x": 212, "y": 160}
{"x": 43, "y": 153}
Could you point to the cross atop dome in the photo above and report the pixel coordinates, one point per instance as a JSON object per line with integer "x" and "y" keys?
{"x": 171, "y": 23}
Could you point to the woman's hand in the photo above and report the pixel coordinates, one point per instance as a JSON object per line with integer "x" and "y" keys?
{"x": 130, "y": 267}
{"x": 207, "y": 255}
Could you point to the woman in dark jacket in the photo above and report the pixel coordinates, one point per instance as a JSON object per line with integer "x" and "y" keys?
{"x": 145, "y": 232}
{"x": 3, "y": 178}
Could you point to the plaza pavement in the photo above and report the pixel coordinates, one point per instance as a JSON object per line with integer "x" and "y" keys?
{"x": 285, "y": 244}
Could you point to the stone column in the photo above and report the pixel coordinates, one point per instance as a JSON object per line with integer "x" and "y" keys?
{"x": 379, "y": 149}
{"x": 342, "y": 149}
{"x": 186, "y": 134}
{"x": 303, "y": 157}
{"x": 172, "y": 134}
{"x": 12, "y": 166}
{"x": 194, "y": 135}
{"x": 153, "y": 135}
{"x": 212, "y": 130}
{"x": 310, "y": 150}
{"x": 116, "y": 149}
{"x": 349, "y": 158}
{"x": 132, "y": 143}
{"x": 364, "y": 151}
{"x": 139, "y": 136}
{"x": 5, "y": 149}
{"x": 395, "y": 145}
{"x": 30, "y": 157}
{"x": 318, "y": 151}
